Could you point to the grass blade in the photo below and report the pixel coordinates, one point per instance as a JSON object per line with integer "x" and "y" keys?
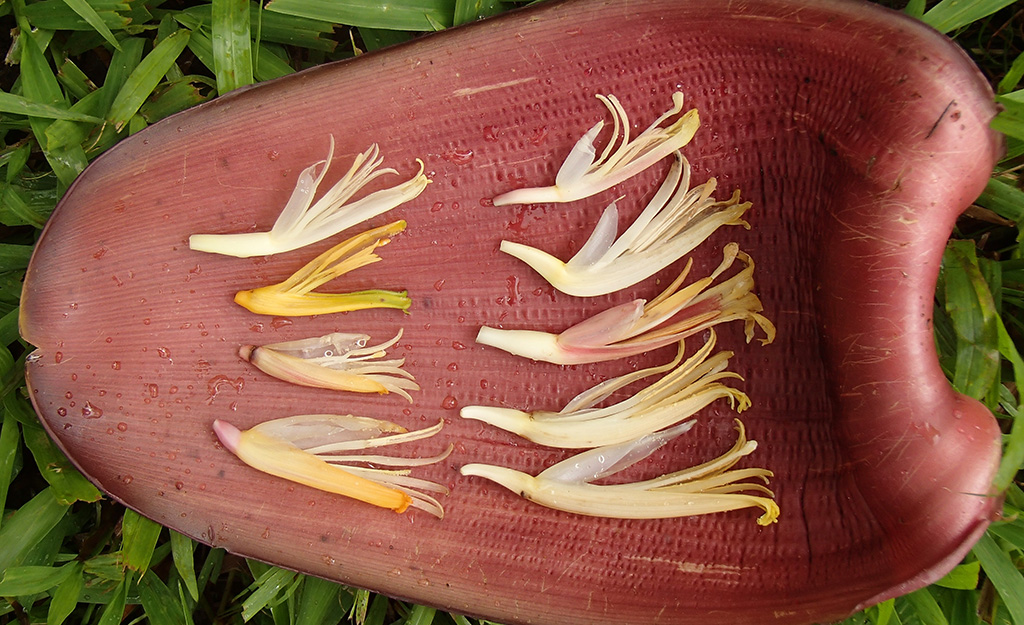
{"x": 67, "y": 484}
{"x": 915, "y": 8}
{"x": 926, "y": 608}
{"x": 89, "y": 14}
{"x": 27, "y": 526}
{"x": 18, "y": 105}
{"x": 1003, "y": 574}
{"x": 972, "y": 310}
{"x": 139, "y": 536}
{"x": 963, "y": 577}
{"x": 10, "y": 441}
{"x": 420, "y": 615}
{"x": 417, "y": 15}
{"x": 19, "y": 208}
{"x": 471, "y": 10}
{"x": 64, "y": 599}
{"x": 232, "y": 44}
{"x": 1013, "y": 76}
{"x": 1004, "y": 199}
{"x": 114, "y": 612}
{"x": 1013, "y": 449}
{"x": 159, "y": 603}
{"x": 267, "y": 588}
{"x": 14, "y": 257}
{"x": 377, "y": 612}
{"x": 887, "y": 613}
{"x": 39, "y": 84}
{"x": 31, "y": 580}
{"x": 360, "y": 605}
{"x": 377, "y": 38}
{"x": 122, "y": 62}
{"x": 145, "y": 77}
{"x": 182, "y": 549}
{"x": 1010, "y": 531}
{"x": 319, "y": 603}
{"x": 950, "y": 15}
{"x": 1010, "y": 121}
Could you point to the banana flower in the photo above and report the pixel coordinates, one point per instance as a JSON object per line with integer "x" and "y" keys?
{"x": 674, "y": 398}
{"x": 675, "y": 221}
{"x": 581, "y": 176}
{"x": 308, "y": 449}
{"x": 640, "y": 326}
{"x": 711, "y": 487}
{"x": 294, "y": 296}
{"x": 336, "y": 361}
{"x": 303, "y": 222}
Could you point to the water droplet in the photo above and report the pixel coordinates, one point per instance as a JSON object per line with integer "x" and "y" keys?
{"x": 439, "y": 285}
{"x": 457, "y": 157}
{"x": 280, "y": 322}
{"x": 122, "y": 426}
{"x": 513, "y": 295}
{"x": 62, "y": 411}
{"x": 116, "y": 365}
{"x": 154, "y": 390}
{"x": 436, "y": 207}
{"x": 127, "y": 479}
{"x": 273, "y": 155}
{"x": 59, "y": 356}
{"x": 449, "y": 403}
{"x": 453, "y": 366}
{"x": 179, "y": 485}
{"x": 218, "y": 382}
{"x": 89, "y": 411}
{"x": 456, "y": 345}
{"x": 163, "y": 352}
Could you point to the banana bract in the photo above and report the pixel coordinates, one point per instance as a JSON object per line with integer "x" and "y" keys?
{"x": 857, "y": 134}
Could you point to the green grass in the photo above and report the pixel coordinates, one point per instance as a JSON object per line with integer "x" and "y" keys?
{"x": 83, "y": 74}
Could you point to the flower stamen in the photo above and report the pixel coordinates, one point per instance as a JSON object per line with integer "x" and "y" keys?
{"x": 303, "y": 222}
{"x": 676, "y": 397}
{"x": 639, "y": 326}
{"x": 295, "y": 296}
{"x": 704, "y": 489}
{"x": 675, "y": 221}
{"x": 304, "y": 449}
{"x": 335, "y": 361}
{"x": 581, "y": 176}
